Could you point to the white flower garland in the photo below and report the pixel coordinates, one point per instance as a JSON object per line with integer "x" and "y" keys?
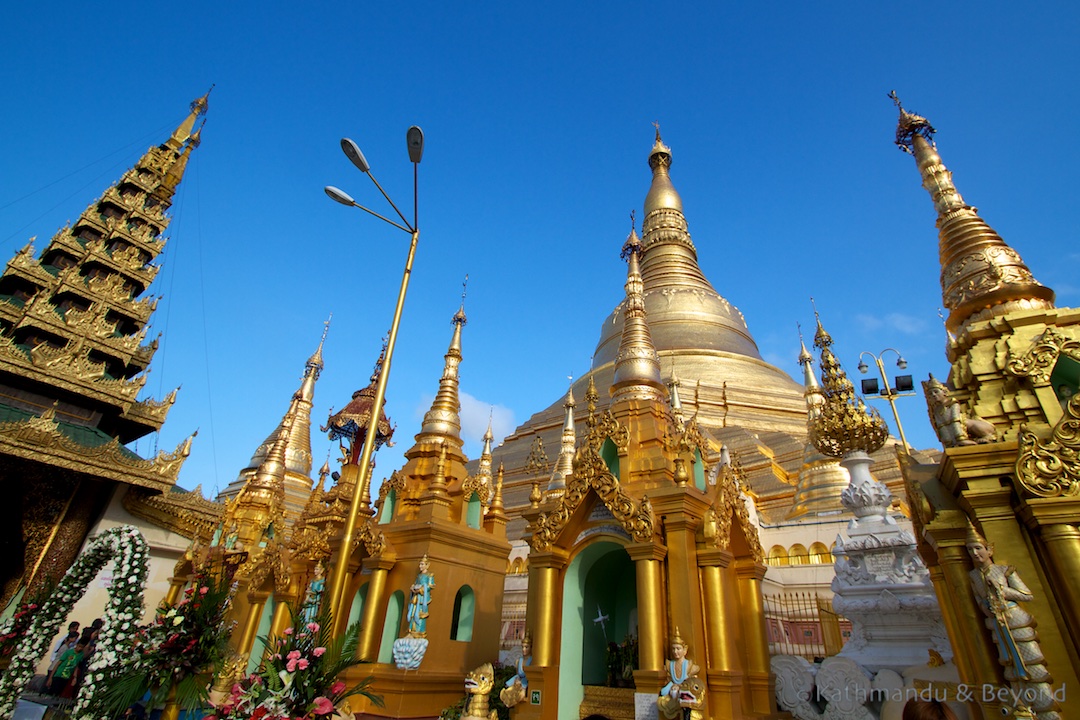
{"x": 124, "y": 545}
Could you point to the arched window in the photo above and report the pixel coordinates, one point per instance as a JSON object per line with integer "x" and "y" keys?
{"x": 778, "y": 555}
{"x": 473, "y": 511}
{"x": 699, "y": 471}
{"x": 610, "y": 455}
{"x": 357, "y": 609}
{"x": 464, "y": 607}
{"x": 798, "y": 555}
{"x": 395, "y": 607}
{"x": 819, "y": 554}
{"x": 386, "y": 513}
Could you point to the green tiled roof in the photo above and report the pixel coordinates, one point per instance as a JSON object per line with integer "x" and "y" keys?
{"x": 81, "y": 434}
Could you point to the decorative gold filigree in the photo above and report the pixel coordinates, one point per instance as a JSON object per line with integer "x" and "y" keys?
{"x": 729, "y": 503}
{"x": 474, "y": 484}
{"x": 845, "y": 424}
{"x": 1052, "y": 469}
{"x": 590, "y": 471}
{"x": 1039, "y": 361}
{"x": 40, "y": 439}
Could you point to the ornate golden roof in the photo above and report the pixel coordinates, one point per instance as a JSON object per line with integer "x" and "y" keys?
{"x": 350, "y": 424}
{"x": 845, "y": 424}
{"x": 981, "y": 276}
{"x": 73, "y": 324}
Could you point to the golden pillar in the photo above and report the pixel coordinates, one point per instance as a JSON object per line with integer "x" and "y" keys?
{"x": 752, "y": 605}
{"x": 1062, "y": 543}
{"x": 647, "y": 558}
{"x": 251, "y": 623}
{"x": 720, "y": 623}
{"x": 175, "y": 585}
{"x": 545, "y": 572}
{"x": 373, "y": 614}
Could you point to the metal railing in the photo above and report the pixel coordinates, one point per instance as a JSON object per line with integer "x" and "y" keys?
{"x": 803, "y": 623}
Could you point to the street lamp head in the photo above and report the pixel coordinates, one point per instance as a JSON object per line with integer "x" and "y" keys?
{"x": 339, "y": 196}
{"x": 863, "y": 367}
{"x": 901, "y": 363}
{"x": 414, "y": 138}
{"x": 352, "y": 151}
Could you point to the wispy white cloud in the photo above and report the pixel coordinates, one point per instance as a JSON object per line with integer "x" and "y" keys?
{"x": 474, "y": 420}
{"x": 897, "y": 322}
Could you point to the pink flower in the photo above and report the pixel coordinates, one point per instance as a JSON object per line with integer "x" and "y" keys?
{"x": 318, "y": 652}
{"x": 313, "y": 627}
{"x": 337, "y": 687}
{"x": 288, "y": 631}
{"x": 323, "y": 706}
{"x": 291, "y": 666}
{"x": 302, "y": 663}
{"x": 203, "y": 590}
{"x": 293, "y": 655}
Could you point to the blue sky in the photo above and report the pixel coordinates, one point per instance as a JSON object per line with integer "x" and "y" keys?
{"x": 538, "y": 124}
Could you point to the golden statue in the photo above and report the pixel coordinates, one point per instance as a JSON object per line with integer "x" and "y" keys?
{"x": 517, "y": 687}
{"x": 953, "y": 427}
{"x": 678, "y": 692}
{"x": 999, "y": 591}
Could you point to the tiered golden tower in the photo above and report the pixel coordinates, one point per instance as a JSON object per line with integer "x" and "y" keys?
{"x": 73, "y": 359}
{"x": 1013, "y": 477}
{"x": 651, "y": 533}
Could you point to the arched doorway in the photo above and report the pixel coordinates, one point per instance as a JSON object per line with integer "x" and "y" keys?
{"x": 599, "y": 606}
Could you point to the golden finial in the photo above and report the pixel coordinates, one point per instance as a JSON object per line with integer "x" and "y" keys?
{"x": 535, "y": 496}
{"x": 676, "y": 638}
{"x": 183, "y": 133}
{"x": 844, "y": 424}
{"x": 659, "y": 156}
{"x": 909, "y": 125}
{"x": 805, "y": 358}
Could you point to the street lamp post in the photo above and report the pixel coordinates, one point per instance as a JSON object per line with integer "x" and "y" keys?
{"x": 415, "y": 141}
{"x": 900, "y": 387}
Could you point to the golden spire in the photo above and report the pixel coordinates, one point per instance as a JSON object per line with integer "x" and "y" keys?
{"x": 845, "y": 424}
{"x": 821, "y": 479}
{"x": 183, "y": 133}
{"x": 442, "y": 420}
{"x": 564, "y": 464}
{"x": 981, "y": 276}
{"x": 298, "y": 458}
{"x": 676, "y": 401}
{"x": 662, "y": 194}
{"x": 484, "y": 469}
{"x": 814, "y": 395}
{"x": 497, "y": 501}
{"x": 637, "y": 366}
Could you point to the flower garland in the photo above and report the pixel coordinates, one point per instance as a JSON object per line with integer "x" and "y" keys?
{"x": 186, "y": 644}
{"x": 124, "y": 545}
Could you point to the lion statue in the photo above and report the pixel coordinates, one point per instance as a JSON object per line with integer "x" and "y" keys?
{"x": 689, "y": 704}
{"x": 478, "y": 686}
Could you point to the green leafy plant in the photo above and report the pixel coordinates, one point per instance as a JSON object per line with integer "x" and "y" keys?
{"x": 298, "y": 677}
